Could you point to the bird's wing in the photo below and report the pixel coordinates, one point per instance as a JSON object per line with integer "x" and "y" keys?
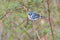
{"x": 35, "y": 15}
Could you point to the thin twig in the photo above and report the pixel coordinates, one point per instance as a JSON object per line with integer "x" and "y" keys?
{"x": 50, "y": 19}
{"x": 33, "y": 29}
{"x": 27, "y": 32}
{"x": 26, "y": 22}
{"x": 24, "y": 27}
{"x": 26, "y": 8}
{"x": 38, "y": 35}
{"x": 7, "y": 11}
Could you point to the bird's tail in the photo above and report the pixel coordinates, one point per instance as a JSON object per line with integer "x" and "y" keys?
{"x": 43, "y": 17}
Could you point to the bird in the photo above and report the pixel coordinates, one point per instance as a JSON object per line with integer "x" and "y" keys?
{"x": 33, "y": 16}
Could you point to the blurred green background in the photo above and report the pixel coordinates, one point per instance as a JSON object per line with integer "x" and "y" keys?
{"x": 13, "y": 25}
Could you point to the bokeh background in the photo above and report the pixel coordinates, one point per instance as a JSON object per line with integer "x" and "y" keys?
{"x": 13, "y": 22}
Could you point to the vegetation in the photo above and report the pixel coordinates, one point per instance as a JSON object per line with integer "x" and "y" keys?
{"x": 15, "y": 26}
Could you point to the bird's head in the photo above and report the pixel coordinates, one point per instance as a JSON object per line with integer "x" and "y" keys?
{"x": 30, "y": 13}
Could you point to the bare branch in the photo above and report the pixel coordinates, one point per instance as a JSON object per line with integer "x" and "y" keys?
{"x": 7, "y": 11}
{"x": 48, "y": 2}
{"x": 38, "y": 35}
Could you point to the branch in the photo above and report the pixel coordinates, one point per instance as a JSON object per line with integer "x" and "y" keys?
{"x": 38, "y": 35}
{"x": 26, "y": 8}
{"x": 7, "y": 11}
{"x": 50, "y": 19}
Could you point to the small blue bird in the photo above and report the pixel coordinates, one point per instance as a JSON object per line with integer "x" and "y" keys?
{"x": 33, "y": 16}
